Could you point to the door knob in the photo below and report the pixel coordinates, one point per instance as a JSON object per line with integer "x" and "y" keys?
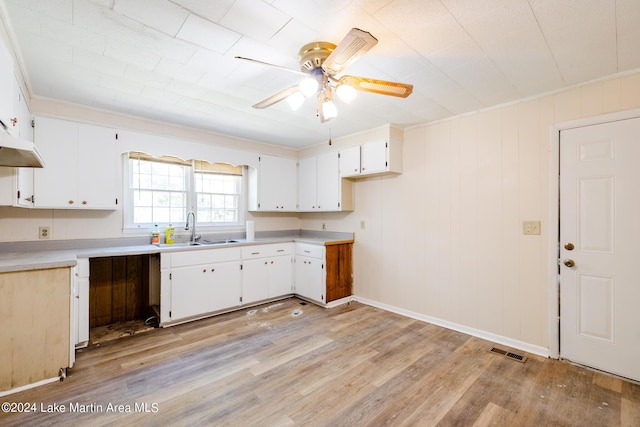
{"x": 569, "y": 246}
{"x": 569, "y": 262}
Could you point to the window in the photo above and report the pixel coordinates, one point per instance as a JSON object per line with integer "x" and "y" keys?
{"x": 218, "y": 188}
{"x": 163, "y": 189}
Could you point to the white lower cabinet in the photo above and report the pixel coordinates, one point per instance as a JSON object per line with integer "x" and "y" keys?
{"x": 254, "y": 285}
{"x": 81, "y": 303}
{"x": 204, "y": 288}
{"x": 310, "y": 279}
{"x": 266, "y": 271}
{"x": 197, "y": 282}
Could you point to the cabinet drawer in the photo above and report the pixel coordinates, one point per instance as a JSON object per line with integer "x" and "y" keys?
{"x": 262, "y": 251}
{"x": 313, "y": 251}
{"x": 196, "y": 257}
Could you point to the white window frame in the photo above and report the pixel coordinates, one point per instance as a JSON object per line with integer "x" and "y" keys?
{"x": 238, "y": 194}
{"x": 130, "y": 226}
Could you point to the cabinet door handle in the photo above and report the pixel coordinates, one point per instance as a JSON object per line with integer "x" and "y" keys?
{"x": 265, "y": 263}
{"x": 280, "y": 250}
{"x": 204, "y": 270}
{"x": 307, "y": 252}
{"x": 255, "y": 253}
{"x": 213, "y": 269}
{"x": 84, "y": 202}
{"x": 70, "y": 202}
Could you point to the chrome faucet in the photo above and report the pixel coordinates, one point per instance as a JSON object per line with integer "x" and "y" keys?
{"x": 192, "y": 214}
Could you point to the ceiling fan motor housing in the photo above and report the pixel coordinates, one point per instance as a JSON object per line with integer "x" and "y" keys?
{"x": 312, "y": 55}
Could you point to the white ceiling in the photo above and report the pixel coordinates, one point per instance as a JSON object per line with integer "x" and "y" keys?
{"x": 173, "y": 60}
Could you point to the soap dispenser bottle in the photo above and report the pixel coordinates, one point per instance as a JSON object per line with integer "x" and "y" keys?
{"x": 155, "y": 235}
{"x": 170, "y": 234}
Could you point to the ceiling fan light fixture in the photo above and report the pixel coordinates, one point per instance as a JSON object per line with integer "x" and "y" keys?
{"x": 328, "y": 108}
{"x": 295, "y": 100}
{"x": 321, "y": 63}
{"x": 309, "y": 86}
{"x": 345, "y": 92}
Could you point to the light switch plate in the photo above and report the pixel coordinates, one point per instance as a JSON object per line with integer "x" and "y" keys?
{"x": 531, "y": 227}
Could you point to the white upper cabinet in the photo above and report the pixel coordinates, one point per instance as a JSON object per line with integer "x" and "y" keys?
{"x": 273, "y": 185}
{"x": 376, "y": 157}
{"x": 7, "y": 82}
{"x": 320, "y": 187}
{"x": 82, "y": 169}
{"x": 350, "y": 161}
{"x": 98, "y": 167}
{"x": 16, "y": 184}
{"x": 307, "y": 200}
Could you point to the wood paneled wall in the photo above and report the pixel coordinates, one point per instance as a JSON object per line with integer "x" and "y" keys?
{"x": 444, "y": 239}
{"x": 118, "y": 289}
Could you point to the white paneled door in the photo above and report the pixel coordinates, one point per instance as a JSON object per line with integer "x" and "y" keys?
{"x": 600, "y": 246}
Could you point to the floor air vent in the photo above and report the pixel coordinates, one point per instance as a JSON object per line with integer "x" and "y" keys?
{"x": 517, "y": 357}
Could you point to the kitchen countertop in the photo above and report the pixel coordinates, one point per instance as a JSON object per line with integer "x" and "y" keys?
{"x": 26, "y": 256}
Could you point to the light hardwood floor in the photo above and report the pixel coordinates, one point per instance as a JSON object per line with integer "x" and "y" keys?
{"x": 286, "y": 363}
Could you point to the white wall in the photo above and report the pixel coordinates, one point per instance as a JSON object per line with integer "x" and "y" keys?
{"x": 20, "y": 224}
{"x": 444, "y": 239}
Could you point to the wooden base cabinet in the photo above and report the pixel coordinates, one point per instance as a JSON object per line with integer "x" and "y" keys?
{"x": 339, "y": 274}
{"x": 323, "y": 273}
{"x": 36, "y": 326}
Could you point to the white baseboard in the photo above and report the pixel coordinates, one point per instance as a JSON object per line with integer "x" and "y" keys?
{"x": 498, "y": 339}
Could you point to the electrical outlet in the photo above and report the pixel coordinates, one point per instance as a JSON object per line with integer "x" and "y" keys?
{"x": 324, "y": 226}
{"x": 362, "y": 224}
{"x": 531, "y": 227}
{"x": 43, "y": 232}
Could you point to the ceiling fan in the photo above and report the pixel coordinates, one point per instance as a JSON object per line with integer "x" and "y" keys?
{"x": 320, "y": 64}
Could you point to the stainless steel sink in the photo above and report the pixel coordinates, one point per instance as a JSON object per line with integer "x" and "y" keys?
{"x": 177, "y": 245}
{"x": 203, "y": 242}
{"x": 216, "y": 242}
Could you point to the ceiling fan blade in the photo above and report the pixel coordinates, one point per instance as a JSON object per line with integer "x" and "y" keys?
{"x": 382, "y": 87}
{"x": 355, "y": 44}
{"x": 273, "y": 65}
{"x": 274, "y": 99}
